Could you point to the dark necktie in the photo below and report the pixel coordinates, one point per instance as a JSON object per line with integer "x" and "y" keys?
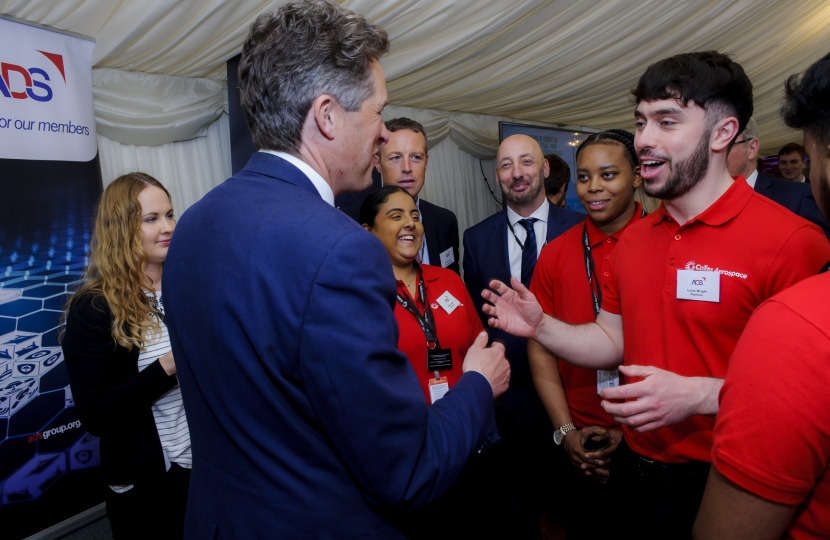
{"x": 528, "y": 250}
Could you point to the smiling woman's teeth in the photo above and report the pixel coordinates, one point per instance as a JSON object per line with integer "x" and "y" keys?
{"x": 407, "y": 237}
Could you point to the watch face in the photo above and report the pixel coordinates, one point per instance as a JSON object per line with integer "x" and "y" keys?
{"x": 557, "y": 437}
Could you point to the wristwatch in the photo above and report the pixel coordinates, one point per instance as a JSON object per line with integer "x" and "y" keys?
{"x": 559, "y": 433}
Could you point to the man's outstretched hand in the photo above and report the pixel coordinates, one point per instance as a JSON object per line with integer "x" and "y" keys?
{"x": 490, "y": 362}
{"x": 516, "y": 310}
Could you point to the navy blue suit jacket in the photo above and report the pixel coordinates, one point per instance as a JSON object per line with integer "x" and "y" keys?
{"x": 486, "y": 259}
{"x": 441, "y": 233}
{"x": 305, "y": 419}
{"x": 797, "y": 197}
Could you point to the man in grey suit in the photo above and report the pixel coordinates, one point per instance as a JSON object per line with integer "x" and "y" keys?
{"x": 794, "y": 196}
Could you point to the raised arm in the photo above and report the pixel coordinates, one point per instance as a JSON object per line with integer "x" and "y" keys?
{"x": 596, "y": 345}
{"x": 365, "y": 394}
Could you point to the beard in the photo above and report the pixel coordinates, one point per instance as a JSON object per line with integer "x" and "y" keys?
{"x": 527, "y": 196}
{"x": 684, "y": 175}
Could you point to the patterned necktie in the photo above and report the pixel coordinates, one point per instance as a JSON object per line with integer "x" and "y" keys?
{"x": 528, "y": 251}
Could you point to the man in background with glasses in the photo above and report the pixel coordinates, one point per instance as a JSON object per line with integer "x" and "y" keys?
{"x": 794, "y": 196}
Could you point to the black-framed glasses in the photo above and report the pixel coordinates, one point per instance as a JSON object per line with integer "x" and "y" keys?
{"x": 743, "y": 141}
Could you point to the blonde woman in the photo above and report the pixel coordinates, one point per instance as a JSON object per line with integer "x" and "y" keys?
{"x": 121, "y": 369}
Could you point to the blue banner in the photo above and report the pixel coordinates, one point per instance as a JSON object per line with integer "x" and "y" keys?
{"x": 50, "y": 180}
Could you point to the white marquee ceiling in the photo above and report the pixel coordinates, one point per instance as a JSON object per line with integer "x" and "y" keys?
{"x": 561, "y": 61}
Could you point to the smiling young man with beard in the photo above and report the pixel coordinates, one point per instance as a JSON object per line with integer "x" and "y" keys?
{"x": 683, "y": 283}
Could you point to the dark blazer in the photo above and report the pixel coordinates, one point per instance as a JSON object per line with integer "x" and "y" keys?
{"x": 305, "y": 419}
{"x": 485, "y": 259}
{"x": 114, "y": 399}
{"x": 797, "y": 197}
{"x": 441, "y": 233}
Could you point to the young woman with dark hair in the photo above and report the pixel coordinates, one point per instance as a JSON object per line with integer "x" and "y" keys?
{"x": 436, "y": 316}
{"x": 568, "y": 284}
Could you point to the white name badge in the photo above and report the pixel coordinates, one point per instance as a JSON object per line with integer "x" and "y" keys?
{"x": 447, "y": 258}
{"x": 698, "y": 285}
{"x": 448, "y": 302}
{"x": 607, "y": 379}
{"x": 438, "y": 388}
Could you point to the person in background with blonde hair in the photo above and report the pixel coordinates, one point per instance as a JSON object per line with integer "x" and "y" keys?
{"x": 121, "y": 368}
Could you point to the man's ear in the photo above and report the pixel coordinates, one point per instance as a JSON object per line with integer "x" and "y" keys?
{"x": 325, "y": 110}
{"x": 754, "y": 146}
{"x": 724, "y": 132}
{"x": 638, "y": 180}
{"x": 376, "y": 159}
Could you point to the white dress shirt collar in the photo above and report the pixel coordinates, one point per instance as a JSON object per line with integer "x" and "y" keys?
{"x": 424, "y": 253}
{"x": 321, "y": 185}
{"x": 752, "y": 178}
{"x": 540, "y": 228}
{"x": 541, "y": 213}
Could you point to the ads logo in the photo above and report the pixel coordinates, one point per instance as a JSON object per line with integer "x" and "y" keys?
{"x": 698, "y": 281}
{"x": 17, "y": 82}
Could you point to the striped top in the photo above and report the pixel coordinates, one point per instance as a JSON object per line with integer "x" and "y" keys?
{"x": 168, "y": 410}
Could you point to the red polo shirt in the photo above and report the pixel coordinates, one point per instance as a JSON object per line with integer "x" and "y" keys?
{"x": 456, "y": 330}
{"x": 771, "y": 435}
{"x": 560, "y": 283}
{"x": 758, "y": 247}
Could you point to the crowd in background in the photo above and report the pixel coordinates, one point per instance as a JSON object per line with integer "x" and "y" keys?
{"x": 650, "y": 367}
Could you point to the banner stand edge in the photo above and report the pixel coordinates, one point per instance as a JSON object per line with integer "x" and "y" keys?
{"x": 47, "y": 27}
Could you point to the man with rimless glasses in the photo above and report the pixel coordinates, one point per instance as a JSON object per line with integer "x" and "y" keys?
{"x": 794, "y": 196}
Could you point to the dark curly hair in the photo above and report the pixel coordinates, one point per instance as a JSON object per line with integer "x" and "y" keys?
{"x": 709, "y": 79}
{"x": 807, "y": 101}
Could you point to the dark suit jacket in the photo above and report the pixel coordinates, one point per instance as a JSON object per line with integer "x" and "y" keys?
{"x": 485, "y": 259}
{"x": 114, "y": 399}
{"x": 305, "y": 419}
{"x": 797, "y": 197}
{"x": 440, "y": 232}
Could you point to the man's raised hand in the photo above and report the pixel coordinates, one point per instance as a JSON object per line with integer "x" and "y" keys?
{"x": 516, "y": 310}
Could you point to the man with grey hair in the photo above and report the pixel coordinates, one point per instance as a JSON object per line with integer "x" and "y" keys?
{"x": 306, "y": 421}
{"x": 794, "y": 196}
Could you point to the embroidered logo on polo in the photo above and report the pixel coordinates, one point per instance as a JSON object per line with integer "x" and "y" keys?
{"x": 692, "y": 265}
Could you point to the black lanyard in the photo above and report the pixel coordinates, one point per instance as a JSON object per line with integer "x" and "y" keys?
{"x": 596, "y": 295}
{"x": 509, "y": 226}
{"x": 427, "y": 320}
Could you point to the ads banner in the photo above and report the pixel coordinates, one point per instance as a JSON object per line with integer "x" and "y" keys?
{"x": 50, "y": 180}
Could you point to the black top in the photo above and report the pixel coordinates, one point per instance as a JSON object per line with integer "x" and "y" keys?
{"x": 114, "y": 399}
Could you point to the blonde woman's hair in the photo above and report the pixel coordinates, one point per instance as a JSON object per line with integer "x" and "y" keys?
{"x": 118, "y": 261}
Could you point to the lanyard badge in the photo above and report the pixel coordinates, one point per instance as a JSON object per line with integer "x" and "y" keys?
{"x": 437, "y": 358}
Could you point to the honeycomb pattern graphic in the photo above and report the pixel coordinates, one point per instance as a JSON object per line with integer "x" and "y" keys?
{"x": 41, "y": 438}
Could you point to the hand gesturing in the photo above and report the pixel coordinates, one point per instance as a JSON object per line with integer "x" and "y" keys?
{"x": 515, "y": 310}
